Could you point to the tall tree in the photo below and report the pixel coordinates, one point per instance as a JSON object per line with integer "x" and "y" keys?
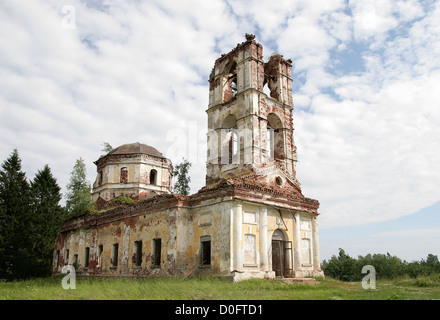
{"x": 15, "y": 219}
{"x": 79, "y": 198}
{"x": 47, "y": 216}
{"x": 2, "y": 242}
{"x": 183, "y": 179}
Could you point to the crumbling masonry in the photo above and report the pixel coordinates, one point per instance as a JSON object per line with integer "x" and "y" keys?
{"x": 250, "y": 220}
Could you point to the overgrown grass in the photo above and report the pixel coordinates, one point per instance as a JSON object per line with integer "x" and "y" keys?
{"x": 214, "y": 288}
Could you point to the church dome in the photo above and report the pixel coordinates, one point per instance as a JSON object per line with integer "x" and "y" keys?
{"x": 137, "y": 148}
{"x": 135, "y": 169}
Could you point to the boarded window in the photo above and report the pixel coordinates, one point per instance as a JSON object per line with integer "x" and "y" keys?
{"x": 157, "y": 247}
{"x": 115, "y": 249}
{"x": 138, "y": 253}
{"x": 205, "y": 219}
{"x": 205, "y": 250}
{"x": 250, "y": 248}
{"x": 306, "y": 256}
{"x": 306, "y": 224}
{"x": 124, "y": 175}
{"x": 249, "y": 217}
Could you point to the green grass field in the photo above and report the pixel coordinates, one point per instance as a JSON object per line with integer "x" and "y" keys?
{"x": 211, "y": 288}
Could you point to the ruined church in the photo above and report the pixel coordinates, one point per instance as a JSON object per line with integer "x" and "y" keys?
{"x": 249, "y": 220}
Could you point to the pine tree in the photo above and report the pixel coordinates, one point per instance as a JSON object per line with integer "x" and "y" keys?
{"x": 15, "y": 219}
{"x": 182, "y": 184}
{"x": 79, "y": 198}
{"x": 47, "y": 216}
{"x": 2, "y": 241}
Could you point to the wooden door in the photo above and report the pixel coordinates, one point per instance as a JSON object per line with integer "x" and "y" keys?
{"x": 278, "y": 257}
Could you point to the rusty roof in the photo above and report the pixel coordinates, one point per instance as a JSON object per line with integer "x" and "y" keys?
{"x": 132, "y": 148}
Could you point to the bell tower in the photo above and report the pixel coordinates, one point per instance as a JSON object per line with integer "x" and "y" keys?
{"x": 250, "y": 128}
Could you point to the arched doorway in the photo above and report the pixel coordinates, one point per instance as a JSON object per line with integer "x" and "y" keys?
{"x": 281, "y": 254}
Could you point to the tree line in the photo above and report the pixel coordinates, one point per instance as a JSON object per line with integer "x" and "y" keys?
{"x": 31, "y": 216}
{"x": 346, "y": 268}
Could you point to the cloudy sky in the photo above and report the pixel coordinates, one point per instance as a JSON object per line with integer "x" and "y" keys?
{"x": 75, "y": 74}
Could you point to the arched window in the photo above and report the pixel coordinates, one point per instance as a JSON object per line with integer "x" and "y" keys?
{"x": 231, "y": 84}
{"x": 153, "y": 175}
{"x": 233, "y": 146}
{"x": 124, "y": 175}
{"x": 230, "y": 145}
{"x": 100, "y": 178}
{"x": 266, "y": 88}
{"x": 275, "y": 137}
{"x": 269, "y": 141}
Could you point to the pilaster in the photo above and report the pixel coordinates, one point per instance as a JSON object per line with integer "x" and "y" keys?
{"x": 237, "y": 239}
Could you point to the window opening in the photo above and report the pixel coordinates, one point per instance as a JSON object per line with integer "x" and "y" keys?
{"x": 124, "y": 175}
{"x": 234, "y": 85}
{"x": 115, "y": 255}
{"x": 153, "y": 174}
{"x": 266, "y": 89}
{"x": 100, "y": 250}
{"x": 233, "y": 146}
{"x": 269, "y": 142}
{"x": 86, "y": 257}
{"x": 58, "y": 258}
{"x": 275, "y": 136}
{"x": 231, "y": 87}
{"x": 230, "y": 146}
{"x": 205, "y": 250}
{"x": 138, "y": 253}
{"x": 157, "y": 247}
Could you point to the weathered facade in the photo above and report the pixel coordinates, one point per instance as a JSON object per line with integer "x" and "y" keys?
{"x": 135, "y": 170}
{"x": 250, "y": 220}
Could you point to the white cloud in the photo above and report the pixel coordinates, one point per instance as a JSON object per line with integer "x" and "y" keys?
{"x": 134, "y": 71}
{"x": 408, "y": 9}
{"x": 372, "y": 20}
